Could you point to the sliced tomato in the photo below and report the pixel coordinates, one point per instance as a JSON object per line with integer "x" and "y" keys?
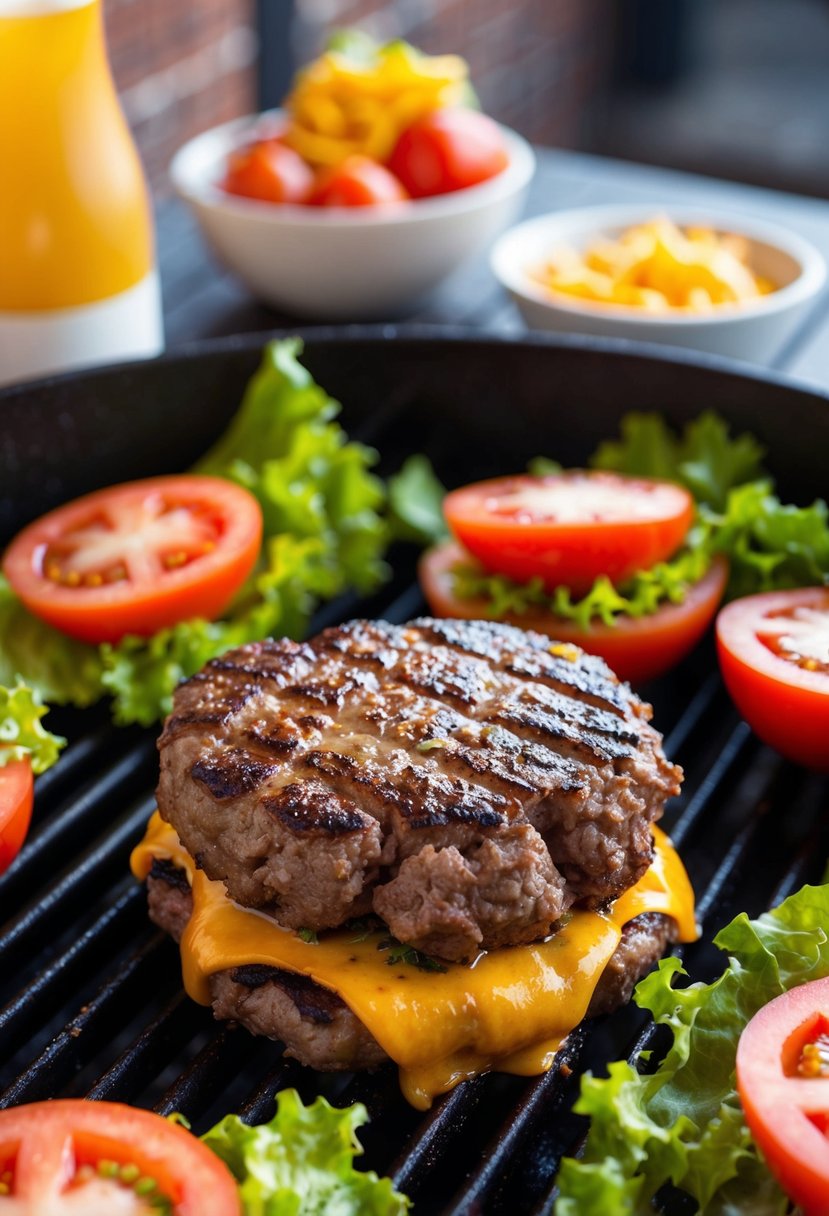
{"x": 270, "y": 171}
{"x": 569, "y": 528}
{"x": 636, "y": 648}
{"x": 358, "y": 181}
{"x": 448, "y": 150}
{"x": 774, "y": 658}
{"x": 16, "y": 798}
{"x": 137, "y": 557}
{"x": 783, "y": 1082}
{"x": 52, "y": 1150}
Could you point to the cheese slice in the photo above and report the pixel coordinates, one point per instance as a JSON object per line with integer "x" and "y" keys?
{"x": 509, "y": 1010}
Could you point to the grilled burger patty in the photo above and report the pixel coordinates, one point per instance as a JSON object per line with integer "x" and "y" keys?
{"x": 316, "y": 1025}
{"x": 465, "y": 781}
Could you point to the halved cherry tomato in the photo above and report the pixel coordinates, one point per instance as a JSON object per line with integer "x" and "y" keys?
{"x": 636, "y": 648}
{"x": 16, "y": 798}
{"x": 448, "y": 150}
{"x": 774, "y": 658}
{"x": 569, "y": 528}
{"x": 270, "y": 171}
{"x": 783, "y": 1084}
{"x": 137, "y": 557}
{"x": 53, "y": 1149}
{"x": 358, "y": 181}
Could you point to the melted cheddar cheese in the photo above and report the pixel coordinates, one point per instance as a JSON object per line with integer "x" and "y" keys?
{"x": 509, "y": 1010}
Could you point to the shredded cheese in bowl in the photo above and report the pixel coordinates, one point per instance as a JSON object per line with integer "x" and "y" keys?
{"x": 657, "y": 267}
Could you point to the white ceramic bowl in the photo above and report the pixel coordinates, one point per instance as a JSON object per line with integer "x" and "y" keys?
{"x": 755, "y": 331}
{"x": 343, "y": 263}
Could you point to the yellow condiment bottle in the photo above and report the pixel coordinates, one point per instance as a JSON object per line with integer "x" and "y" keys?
{"x": 78, "y": 283}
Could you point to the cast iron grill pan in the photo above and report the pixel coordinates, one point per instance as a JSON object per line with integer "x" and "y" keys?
{"x": 90, "y": 993}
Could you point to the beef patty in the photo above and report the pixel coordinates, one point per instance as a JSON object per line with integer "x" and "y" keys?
{"x": 316, "y": 1025}
{"x": 466, "y": 781}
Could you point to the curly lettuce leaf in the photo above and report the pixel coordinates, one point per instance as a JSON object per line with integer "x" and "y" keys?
{"x": 770, "y": 545}
{"x": 643, "y": 594}
{"x": 302, "y": 1162}
{"x": 57, "y": 667}
{"x": 322, "y": 526}
{"x": 286, "y": 448}
{"x": 141, "y": 674}
{"x": 22, "y": 733}
{"x": 323, "y": 532}
{"x": 682, "y": 1124}
{"x": 705, "y": 458}
{"x": 416, "y": 503}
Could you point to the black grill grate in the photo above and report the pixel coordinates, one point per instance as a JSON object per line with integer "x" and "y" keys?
{"x": 90, "y": 993}
{"x": 93, "y": 1003}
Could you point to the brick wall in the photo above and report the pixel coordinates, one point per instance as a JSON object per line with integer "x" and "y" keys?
{"x": 181, "y": 66}
{"x": 537, "y": 64}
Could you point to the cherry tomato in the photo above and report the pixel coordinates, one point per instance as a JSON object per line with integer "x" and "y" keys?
{"x": 569, "y": 528}
{"x": 16, "y": 796}
{"x": 53, "y": 1149}
{"x": 636, "y": 648}
{"x": 774, "y": 658}
{"x": 783, "y": 1084}
{"x": 358, "y": 181}
{"x": 448, "y": 150}
{"x": 137, "y": 557}
{"x": 270, "y": 171}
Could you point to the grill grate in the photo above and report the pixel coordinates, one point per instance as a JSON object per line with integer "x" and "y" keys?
{"x": 92, "y": 993}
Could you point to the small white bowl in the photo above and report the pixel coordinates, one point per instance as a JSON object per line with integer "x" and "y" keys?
{"x": 343, "y": 263}
{"x": 755, "y": 331}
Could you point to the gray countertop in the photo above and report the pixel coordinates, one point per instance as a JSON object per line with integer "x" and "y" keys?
{"x": 201, "y": 300}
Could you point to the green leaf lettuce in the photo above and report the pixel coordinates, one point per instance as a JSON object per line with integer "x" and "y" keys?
{"x": 769, "y": 544}
{"x": 604, "y": 602}
{"x": 22, "y": 734}
{"x": 416, "y": 503}
{"x": 60, "y": 669}
{"x": 683, "y": 1124}
{"x": 323, "y": 532}
{"x": 704, "y": 458}
{"x": 141, "y": 674}
{"x": 302, "y": 1162}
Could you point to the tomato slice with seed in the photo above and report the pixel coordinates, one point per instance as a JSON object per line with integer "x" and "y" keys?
{"x": 783, "y": 1083}
{"x": 774, "y": 656}
{"x": 135, "y": 558}
{"x": 104, "y": 1159}
{"x": 636, "y": 648}
{"x": 569, "y": 528}
{"x": 16, "y": 798}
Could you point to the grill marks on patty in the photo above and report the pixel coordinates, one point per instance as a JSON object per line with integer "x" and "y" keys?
{"x": 231, "y": 773}
{"x": 589, "y": 678}
{"x": 408, "y": 796}
{"x": 310, "y": 807}
{"x": 462, "y": 778}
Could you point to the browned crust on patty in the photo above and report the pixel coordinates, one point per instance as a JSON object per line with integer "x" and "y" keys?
{"x": 463, "y": 780}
